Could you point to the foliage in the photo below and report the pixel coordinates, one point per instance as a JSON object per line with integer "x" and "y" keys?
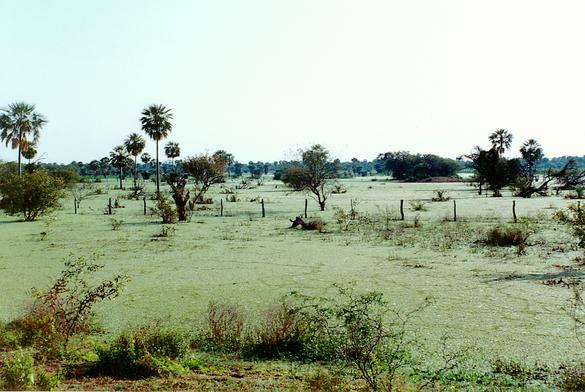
{"x": 66, "y": 308}
{"x": 17, "y": 372}
{"x": 178, "y": 184}
{"x": 574, "y": 217}
{"x": 172, "y": 151}
{"x": 134, "y": 145}
{"x": 225, "y": 324}
{"x": 501, "y": 140}
{"x": 314, "y": 174}
{"x": 32, "y": 194}
{"x": 494, "y": 170}
{"x": 143, "y": 351}
{"x": 409, "y": 167}
{"x": 441, "y": 196}
{"x": 165, "y": 210}
{"x": 506, "y": 236}
{"x": 417, "y": 205}
{"x": 120, "y": 160}
{"x": 573, "y": 378}
{"x": 116, "y": 223}
{"x": 206, "y": 170}
{"x": 69, "y": 177}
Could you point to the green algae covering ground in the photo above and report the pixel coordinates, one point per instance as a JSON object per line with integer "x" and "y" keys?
{"x": 491, "y": 298}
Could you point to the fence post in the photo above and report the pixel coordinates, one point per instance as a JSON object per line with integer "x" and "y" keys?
{"x": 263, "y": 210}
{"x": 144, "y": 202}
{"x": 454, "y": 211}
{"x": 306, "y": 203}
{"x": 110, "y": 206}
{"x": 401, "y": 209}
{"x": 75, "y": 204}
{"x": 221, "y": 207}
{"x": 514, "y": 211}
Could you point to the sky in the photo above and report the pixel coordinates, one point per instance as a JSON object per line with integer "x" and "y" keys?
{"x": 263, "y": 78}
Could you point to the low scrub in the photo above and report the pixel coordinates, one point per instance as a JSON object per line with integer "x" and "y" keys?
{"x": 506, "y": 236}
{"x": 142, "y": 352}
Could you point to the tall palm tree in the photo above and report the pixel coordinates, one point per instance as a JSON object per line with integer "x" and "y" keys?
{"x": 501, "y": 140}
{"x": 134, "y": 145}
{"x": 156, "y": 123}
{"x": 20, "y": 126}
{"x": 172, "y": 151}
{"x": 119, "y": 159}
{"x": 531, "y": 152}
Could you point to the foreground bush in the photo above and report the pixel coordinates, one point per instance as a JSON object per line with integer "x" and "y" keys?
{"x": 17, "y": 372}
{"x": 32, "y": 194}
{"x": 142, "y": 352}
{"x": 66, "y": 308}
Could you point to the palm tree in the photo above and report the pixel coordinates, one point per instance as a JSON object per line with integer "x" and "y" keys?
{"x": 119, "y": 159}
{"x": 134, "y": 145}
{"x": 156, "y": 123}
{"x": 501, "y": 140}
{"x": 172, "y": 151}
{"x": 531, "y": 152}
{"x": 20, "y": 126}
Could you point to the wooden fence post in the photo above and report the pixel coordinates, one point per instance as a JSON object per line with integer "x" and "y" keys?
{"x": 144, "y": 202}
{"x": 514, "y": 211}
{"x": 306, "y": 203}
{"x": 454, "y": 211}
{"x": 110, "y": 206}
{"x": 401, "y": 209}
{"x": 263, "y": 210}
{"x": 75, "y": 204}
{"x": 221, "y": 207}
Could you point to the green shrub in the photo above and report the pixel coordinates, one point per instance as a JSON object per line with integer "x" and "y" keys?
{"x": 573, "y": 378}
{"x": 32, "y": 194}
{"x": 283, "y": 332}
{"x": 8, "y": 338}
{"x": 165, "y": 210}
{"x": 506, "y": 236}
{"x": 17, "y": 372}
{"x": 574, "y": 217}
{"x": 67, "y": 176}
{"x": 142, "y": 352}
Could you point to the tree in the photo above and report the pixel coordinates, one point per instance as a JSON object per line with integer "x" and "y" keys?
{"x": 105, "y": 166}
{"x": 531, "y": 152}
{"x": 20, "y": 126}
{"x": 226, "y": 157}
{"x": 180, "y": 194}
{"x": 156, "y": 123}
{"x": 172, "y": 151}
{"x": 501, "y": 140}
{"x": 134, "y": 145}
{"x": 29, "y": 153}
{"x": 120, "y": 160}
{"x": 206, "y": 170}
{"x": 409, "y": 167}
{"x": 313, "y": 175}
{"x": 32, "y": 194}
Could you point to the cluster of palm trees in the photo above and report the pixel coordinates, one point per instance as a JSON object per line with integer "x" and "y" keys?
{"x": 156, "y": 124}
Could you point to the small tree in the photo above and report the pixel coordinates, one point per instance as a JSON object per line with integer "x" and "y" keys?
{"x": 32, "y": 194}
{"x": 206, "y": 171}
{"x": 120, "y": 160}
{"x": 314, "y": 174}
{"x": 180, "y": 194}
{"x": 134, "y": 145}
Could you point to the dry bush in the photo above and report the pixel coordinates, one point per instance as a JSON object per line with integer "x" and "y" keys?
{"x": 165, "y": 210}
{"x": 225, "y": 324}
{"x": 506, "y": 236}
{"x": 314, "y": 225}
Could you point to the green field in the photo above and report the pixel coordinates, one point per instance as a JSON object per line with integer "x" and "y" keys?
{"x": 487, "y": 297}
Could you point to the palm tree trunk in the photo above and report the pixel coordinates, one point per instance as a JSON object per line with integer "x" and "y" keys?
{"x": 120, "y": 177}
{"x": 19, "y": 155}
{"x": 157, "y": 174}
{"x": 135, "y": 173}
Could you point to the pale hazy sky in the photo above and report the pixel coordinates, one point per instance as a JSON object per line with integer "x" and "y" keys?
{"x": 261, "y": 78}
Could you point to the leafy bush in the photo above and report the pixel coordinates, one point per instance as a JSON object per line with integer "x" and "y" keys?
{"x": 66, "y": 308}
{"x": 417, "y": 205}
{"x": 506, "y": 236}
{"x": 17, "y": 372}
{"x": 574, "y": 217}
{"x": 441, "y": 196}
{"x": 283, "y": 332}
{"x": 116, "y": 223}
{"x": 67, "y": 176}
{"x": 32, "y": 194}
{"x": 165, "y": 210}
{"x": 573, "y": 378}
{"x": 142, "y": 352}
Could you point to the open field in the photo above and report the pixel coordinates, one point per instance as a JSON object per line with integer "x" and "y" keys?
{"x": 491, "y": 298}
